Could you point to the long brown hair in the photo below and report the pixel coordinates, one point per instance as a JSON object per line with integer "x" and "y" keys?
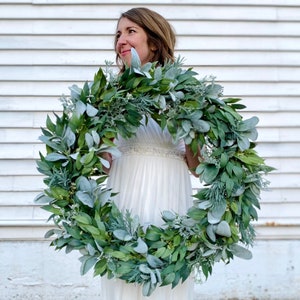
{"x": 158, "y": 30}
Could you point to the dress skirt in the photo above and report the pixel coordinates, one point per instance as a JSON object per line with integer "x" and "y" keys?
{"x": 150, "y": 176}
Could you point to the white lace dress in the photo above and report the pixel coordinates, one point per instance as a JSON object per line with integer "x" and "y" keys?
{"x": 151, "y": 176}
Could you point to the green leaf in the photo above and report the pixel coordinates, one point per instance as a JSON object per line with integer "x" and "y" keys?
{"x": 108, "y": 95}
{"x": 80, "y": 108}
{"x": 211, "y": 232}
{"x": 83, "y": 218}
{"x": 154, "y": 261}
{"x": 196, "y": 214}
{"x": 69, "y": 137}
{"x": 141, "y": 247}
{"x": 49, "y": 233}
{"x": 50, "y": 125}
{"x": 91, "y": 110}
{"x": 205, "y": 204}
{"x": 201, "y": 126}
{"x": 243, "y": 142}
{"x": 168, "y": 216}
{"x": 122, "y": 235}
{"x": 120, "y": 255}
{"x": 135, "y": 60}
{"x": 55, "y": 210}
{"x": 42, "y": 199}
{"x": 58, "y": 192}
{"x": 152, "y": 235}
{"x": 100, "y": 267}
{"x": 223, "y": 229}
{"x": 83, "y": 184}
{"x": 216, "y": 213}
{"x": 89, "y": 140}
{"x": 248, "y": 124}
{"x": 240, "y": 251}
{"x": 55, "y": 157}
{"x": 168, "y": 279}
{"x": 85, "y": 198}
{"x": 250, "y": 158}
{"x": 148, "y": 288}
{"x": 87, "y": 262}
{"x": 210, "y": 172}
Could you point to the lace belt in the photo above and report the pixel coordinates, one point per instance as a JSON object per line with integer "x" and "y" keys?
{"x": 151, "y": 151}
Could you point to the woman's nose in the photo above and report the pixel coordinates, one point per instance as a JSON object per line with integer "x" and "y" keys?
{"x": 121, "y": 39}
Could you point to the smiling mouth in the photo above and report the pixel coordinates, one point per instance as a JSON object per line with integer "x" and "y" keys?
{"x": 123, "y": 53}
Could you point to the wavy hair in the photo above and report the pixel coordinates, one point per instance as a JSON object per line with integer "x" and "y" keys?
{"x": 158, "y": 30}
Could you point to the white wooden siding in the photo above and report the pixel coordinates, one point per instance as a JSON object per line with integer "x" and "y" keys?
{"x": 251, "y": 46}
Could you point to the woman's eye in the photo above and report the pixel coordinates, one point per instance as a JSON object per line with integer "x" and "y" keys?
{"x": 131, "y": 30}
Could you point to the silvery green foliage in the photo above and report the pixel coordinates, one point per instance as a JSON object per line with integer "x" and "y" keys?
{"x": 114, "y": 243}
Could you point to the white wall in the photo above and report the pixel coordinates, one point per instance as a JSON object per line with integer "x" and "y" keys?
{"x": 251, "y": 46}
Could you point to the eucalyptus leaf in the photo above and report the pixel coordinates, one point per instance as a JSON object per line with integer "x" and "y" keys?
{"x": 214, "y": 90}
{"x": 104, "y": 196}
{"x": 243, "y": 142}
{"x": 84, "y": 184}
{"x": 85, "y": 198}
{"x": 210, "y": 172}
{"x": 96, "y": 137}
{"x": 141, "y": 247}
{"x": 87, "y": 262}
{"x": 223, "y": 229}
{"x": 147, "y": 288}
{"x": 211, "y": 232}
{"x": 168, "y": 216}
{"x": 240, "y": 251}
{"x": 205, "y": 204}
{"x": 145, "y": 269}
{"x": 69, "y": 137}
{"x": 55, "y": 157}
{"x": 122, "y": 235}
{"x": 80, "y": 108}
{"x": 89, "y": 140}
{"x": 248, "y": 124}
{"x": 75, "y": 92}
{"x": 154, "y": 261}
{"x": 201, "y": 126}
{"x": 251, "y": 135}
{"x": 91, "y": 110}
{"x": 42, "y": 199}
{"x": 216, "y": 213}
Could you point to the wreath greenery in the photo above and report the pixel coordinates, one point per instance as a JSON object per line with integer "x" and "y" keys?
{"x": 112, "y": 242}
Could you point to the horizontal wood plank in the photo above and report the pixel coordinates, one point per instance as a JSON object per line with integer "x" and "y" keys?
{"x": 192, "y": 42}
{"x": 199, "y": 26}
{"x": 179, "y": 11}
{"x": 192, "y": 58}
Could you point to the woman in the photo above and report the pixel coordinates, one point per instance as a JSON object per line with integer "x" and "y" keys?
{"x": 152, "y": 174}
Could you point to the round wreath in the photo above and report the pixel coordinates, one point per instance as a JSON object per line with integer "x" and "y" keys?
{"x": 113, "y": 242}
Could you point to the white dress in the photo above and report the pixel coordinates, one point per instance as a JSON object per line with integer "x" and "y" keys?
{"x": 150, "y": 176}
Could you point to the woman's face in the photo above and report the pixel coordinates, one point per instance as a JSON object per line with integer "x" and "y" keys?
{"x": 130, "y": 35}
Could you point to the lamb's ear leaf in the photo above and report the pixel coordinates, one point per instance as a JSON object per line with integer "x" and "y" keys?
{"x": 135, "y": 60}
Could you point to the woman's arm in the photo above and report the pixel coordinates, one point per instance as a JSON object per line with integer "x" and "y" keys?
{"x": 192, "y": 160}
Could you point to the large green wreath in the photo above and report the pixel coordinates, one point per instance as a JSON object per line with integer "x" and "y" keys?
{"x": 113, "y": 242}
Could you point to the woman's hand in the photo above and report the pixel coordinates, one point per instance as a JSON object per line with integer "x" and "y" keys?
{"x": 192, "y": 160}
{"x": 107, "y": 156}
